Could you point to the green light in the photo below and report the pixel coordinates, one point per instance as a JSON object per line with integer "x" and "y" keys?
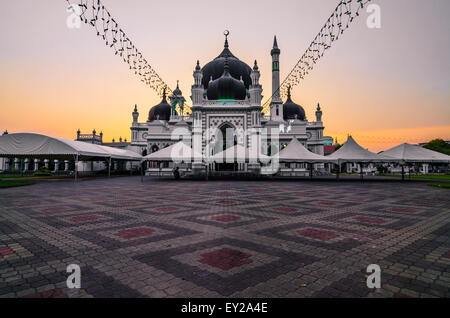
{"x": 275, "y": 66}
{"x": 225, "y": 101}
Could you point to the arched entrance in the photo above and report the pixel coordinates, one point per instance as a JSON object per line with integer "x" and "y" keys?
{"x": 225, "y": 138}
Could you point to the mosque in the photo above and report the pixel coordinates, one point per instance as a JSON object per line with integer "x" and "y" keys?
{"x": 226, "y": 97}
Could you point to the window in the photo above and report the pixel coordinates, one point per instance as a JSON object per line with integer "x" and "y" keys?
{"x": 275, "y": 66}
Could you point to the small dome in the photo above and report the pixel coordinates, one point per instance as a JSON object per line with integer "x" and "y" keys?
{"x": 177, "y": 91}
{"x": 292, "y": 110}
{"x": 237, "y": 68}
{"x": 162, "y": 111}
{"x": 226, "y": 87}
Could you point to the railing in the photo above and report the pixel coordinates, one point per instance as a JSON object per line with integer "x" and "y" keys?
{"x": 225, "y": 102}
{"x": 89, "y": 137}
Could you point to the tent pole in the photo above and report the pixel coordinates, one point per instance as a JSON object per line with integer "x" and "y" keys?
{"x": 310, "y": 170}
{"x": 109, "y": 167}
{"x": 403, "y": 173}
{"x": 142, "y": 171}
{"x": 76, "y": 168}
{"x": 361, "y": 172}
{"x": 338, "y": 171}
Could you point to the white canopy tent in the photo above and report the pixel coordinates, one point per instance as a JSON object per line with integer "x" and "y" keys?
{"x": 38, "y": 146}
{"x": 296, "y": 152}
{"x": 178, "y": 152}
{"x": 26, "y": 145}
{"x": 352, "y": 152}
{"x": 239, "y": 154}
{"x": 416, "y": 154}
{"x": 117, "y": 153}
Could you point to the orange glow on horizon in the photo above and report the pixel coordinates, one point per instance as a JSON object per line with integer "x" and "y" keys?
{"x": 380, "y": 140}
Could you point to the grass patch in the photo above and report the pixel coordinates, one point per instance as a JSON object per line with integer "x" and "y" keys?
{"x": 420, "y": 176}
{"x": 30, "y": 177}
{"x": 440, "y": 185}
{"x": 14, "y": 176}
{"x": 13, "y": 184}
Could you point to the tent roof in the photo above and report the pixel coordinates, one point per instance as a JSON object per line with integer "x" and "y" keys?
{"x": 352, "y": 152}
{"x": 296, "y": 152}
{"x": 177, "y": 152}
{"x": 118, "y": 153}
{"x": 239, "y": 153}
{"x": 36, "y": 145}
{"x": 414, "y": 153}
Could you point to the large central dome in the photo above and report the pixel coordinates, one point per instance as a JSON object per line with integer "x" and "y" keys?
{"x": 226, "y": 86}
{"x": 237, "y": 68}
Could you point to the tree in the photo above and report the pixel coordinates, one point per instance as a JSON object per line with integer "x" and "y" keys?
{"x": 438, "y": 145}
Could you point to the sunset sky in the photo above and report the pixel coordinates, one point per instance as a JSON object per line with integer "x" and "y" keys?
{"x": 384, "y": 86}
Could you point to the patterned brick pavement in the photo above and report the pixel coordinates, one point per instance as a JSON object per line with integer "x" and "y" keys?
{"x": 166, "y": 238}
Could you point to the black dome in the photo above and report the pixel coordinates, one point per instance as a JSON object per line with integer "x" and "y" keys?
{"x": 216, "y": 66}
{"x": 161, "y": 111}
{"x": 292, "y": 110}
{"x": 226, "y": 86}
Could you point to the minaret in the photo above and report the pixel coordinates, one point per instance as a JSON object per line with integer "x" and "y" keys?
{"x": 197, "y": 88}
{"x": 318, "y": 113}
{"x": 135, "y": 115}
{"x": 276, "y": 106}
{"x": 177, "y": 99}
{"x": 255, "y": 88}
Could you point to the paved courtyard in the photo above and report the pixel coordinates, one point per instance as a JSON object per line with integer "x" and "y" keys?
{"x": 166, "y": 238}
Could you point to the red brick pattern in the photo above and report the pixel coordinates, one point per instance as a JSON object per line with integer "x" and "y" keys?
{"x": 226, "y": 258}
{"x": 5, "y": 251}
{"x": 225, "y": 218}
{"x": 366, "y": 219}
{"x": 167, "y": 209}
{"x": 54, "y": 293}
{"x": 134, "y": 233}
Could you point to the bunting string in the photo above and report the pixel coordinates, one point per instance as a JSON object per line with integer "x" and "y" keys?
{"x": 339, "y": 21}
{"x": 94, "y": 13}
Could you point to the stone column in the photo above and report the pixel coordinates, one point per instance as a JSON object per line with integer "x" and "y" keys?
{"x": 56, "y": 165}
{"x": 46, "y": 163}
{"x": 17, "y": 164}
{"x": 25, "y": 165}
{"x": 7, "y": 164}
{"x": 66, "y": 165}
{"x": 36, "y": 164}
